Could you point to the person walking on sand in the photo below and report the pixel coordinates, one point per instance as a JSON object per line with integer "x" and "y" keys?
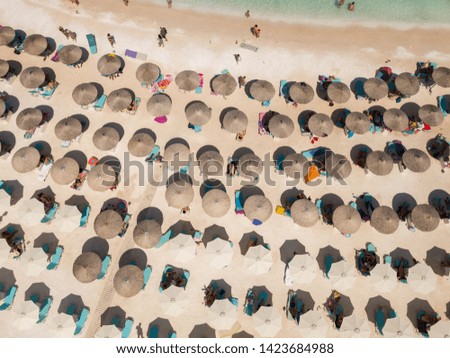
{"x": 139, "y": 330}
{"x": 64, "y": 31}
{"x": 126, "y": 2}
{"x": 242, "y": 80}
{"x": 160, "y": 41}
{"x": 111, "y": 40}
{"x": 163, "y": 33}
{"x": 169, "y": 3}
{"x": 351, "y": 6}
{"x": 237, "y": 57}
{"x": 256, "y": 31}
{"x": 247, "y": 14}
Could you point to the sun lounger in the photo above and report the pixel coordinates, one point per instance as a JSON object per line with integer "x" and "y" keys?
{"x": 105, "y": 265}
{"x": 199, "y": 89}
{"x": 51, "y": 214}
{"x": 49, "y": 93}
{"x": 147, "y": 272}
{"x": 100, "y": 103}
{"x": 82, "y": 320}
{"x": 9, "y": 298}
{"x": 153, "y": 332}
{"x": 85, "y": 216}
{"x": 328, "y": 264}
{"x": 137, "y": 102}
{"x": 266, "y": 103}
{"x": 55, "y": 57}
{"x": 153, "y": 154}
{"x": 249, "y": 302}
{"x": 164, "y": 239}
{"x": 56, "y": 258}
{"x": 126, "y": 330}
{"x": 388, "y": 260}
{"x": 196, "y": 128}
{"x": 239, "y": 208}
{"x": 249, "y": 47}
{"x": 161, "y": 119}
{"x": 371, "y": 248}
{"x": 45, "y": 307}
{"x": 92, "y": 43}
{"x": 442, "y": 104}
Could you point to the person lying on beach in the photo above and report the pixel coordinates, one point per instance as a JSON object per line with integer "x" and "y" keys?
{"x": 240, "y": 136}
{"x": 9, "y": 236}
{"x": 64, "y": 31}
{"x": 351, "y": 6}
{"x": 332, "y": 301}
{"x": 232, "y": 168}
{"x": 47, "y": 200}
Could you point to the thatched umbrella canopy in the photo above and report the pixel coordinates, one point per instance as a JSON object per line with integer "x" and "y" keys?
{"x": 385, "y": 220}
{"x": 35, "y": 44}
{"x": 147, "y": 233}
{"x": 281, "y": 126}
{"x": 407, "y": 84}
{"x": 338, "y": 92}
{"x": 68, "y": 128}
{"x": 148, "y": 73}
{"x": 416, "y": 160}
{"x": 431, "y": 115}
{"x": 177, "y": 151}
{"x": 395, "y": 119}
{"x": 211, "y": 163}
{"x": 304, "y": 213}
{"x": 346, "y": 219}
{"x": 198, "y": 113}
{"x": 108, "y": 224}
{"x": 7, "y": 35}
{"x": 379, "y": 162}
{"x": 141, "y": 144}
{"x": 87, "y": 267}
{"x": 101, "y": 177}
{"x": 70, "y": 54}
{"x": 425, "y": 217}
{"x": 338, "y": 166}
{"x": 84, "y": 94}
{"x": 106, "y": 138}
{"x": 128, "y": 281}
{"x": 29, "y": 118}
{"x": 4, "y": 68}
{"x": 187, "y": 80}
{"x": 119, "y": 99}
{"x": 258, "y": 207}
{"x": 32, "y": 77}
{"x": 295, "y": 165}
{"x": 357, "y": 122}
{"x": 216, "y": 203}
{"x": 109, "y": 64}
{"x": 64, "y": 171}
{"x": 301, "y": 93}
{"x": 376, "y": 88}
{"x": 262, "y": 90}
{"x": 235, "y": 121}
{"x": 250, "y": 166}
{"x": 223, "y": 84}
{"x": 441, "y": 76}
{"x": 25, "y": 159}
{"x": 320, "y": 125}
{"x": 179, "y": 194}
{"x": 159, "y": 105}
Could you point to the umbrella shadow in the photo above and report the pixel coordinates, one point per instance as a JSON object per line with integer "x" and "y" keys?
{"x": 337, "y": 117}
{"x": 250, "y": 190}
{"x": 48, "y": 239}
{"x": 354, "y": 152}
{"x": 321, "y": 91}
{"x": 48, "y": 111}
{"x": 447, "y": 309}
{"x": 416, "y": 305}
{"x": 328, "y": 251}
{"x": 135, "y": 257}
{"x": 122, "y": 67}
{"x": 222, "y": 285}
{"x": 224, "y": 112}
{"x": 38, "y": 290}
{"x": 15, "y": 67}
{"x": 238, "y": 153}
{"x": 354, "y": 83}
{"x": 46, "y": 191}
{"x": 180, "y": 177}
{"x": 7, "y": 279}
{"x": 17, "y": 190}
{"x": 13, "y": 102}
{"x": 373, "y": 304}
{"x": 435, "y": 256}
{"x": 207, "y": 148}
{"x": 288, "y": 195}
{"x": 84, "y": 54}
{"x": 147, "y": 131}
{"x": 78, "y": 156}
{"x": 247, "y": 87}
{"x": 399, "y": 253}
{"x": 9, "y": 139}
{"x": 436, "y": 195}
{"x": 361, "y": 204}
{"x": 283, "y": 151}
{"x": 209, "y": 184}
{"x": 96, "y": 245}
{"x": 49, "y": 73}
{"x": 177, "y": 140}
{"x": 79, "y": 201}
{"x": 151, "y": 213}
{"x": 402, "y": 198}
{"x": 202, "y": 331}
{"x": 347, "y": 305}
{"x": 117, "y": 127}
{"x": 43, "y": 147}
{"x": 332, "y": 200}
{"x": 100, "y": 89}
{"x": 214, "y": 231}
{"x": 290, "y": 248}
{"x": 164, "y": 326}
{"x": 83, "y": 120}
{"x": 242, "y": 334}
{"x": 411, "y": 109}
{"x": 377, "y": 108}
{"x": 306, "y": 298}
{"x": 68, "y": 301}
{"x": 51, "y": 46}
{"x": 257, "y": 290}
{"x": 182, "y": 227}
{"x": 304, "y": 117}
{"x": 16, "y": 227}
{"x": 248, "y": 239}
{"x": 113, "y": 162}
{"x": 111, "y": 314}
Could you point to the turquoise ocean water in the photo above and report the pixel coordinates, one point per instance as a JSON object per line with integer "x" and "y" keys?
{"x": 399, "y": 13}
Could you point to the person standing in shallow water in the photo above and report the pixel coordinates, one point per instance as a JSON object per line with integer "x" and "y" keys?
{"x": 169, "y": 3}
{"x": 351, "y": 6}
{"x": 247, "y": 14}
{"x": 341, "y": 2}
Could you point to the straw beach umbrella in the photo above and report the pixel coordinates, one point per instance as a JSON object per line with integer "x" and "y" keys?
{"x": 141, "y": 144}
{"x": 29, "y": 118}
{"x": 250, "y": 166}
{"x": 385, "y": 220}
{"x": 441, "y": 76}
{"x": 102, "y": 177}
{"x": 346, "y": 219}
{"x": 301, "y": 92}
{"x": 304, "y": 213}
{"x": 383, "y": 277}
{"x": 219, "y": 253}
{"x": 395, "y": 119}
{"x": 7, "y": 35}
{"x": 179, "y": 194}
{"x": 431, "y": 115}
{"x": 108, "y": 331}
{"x": 355, "y": 327}
{"x": 106, "y": 138}
{"x": 223, "y": 85}
{"x": 216, "y": 203}
{"x": 421, "y": 278}
{"x": 313, "y": 325}
{"x": 36, "y": 261}
{"x": 119, "y": 99}
{"x": 407, "y": 84}
{"x": 267, "y": 321}
{"x": 159, "y": 105}
{"x": 25, "y": 159}
{"x": 295, "y": 165}
{"x": 302, "y": 269}
{"x": 416, "y": 160}
{"x": 68, "y": 218}
{"x": 211, "y": 163}
{"x": 440, "y": 330}
{"x": 262, "y": 90}
{"x": 147, "y": 233}
{"x": 281, "y": 126}
{"x": 35, "y": 44}
{"x": 108, "y": 224}
{"x": 109, "y": 64}
{"x": 258, "y": 208}
{"x": 87, "y": 267}
{"x": 182, "y": 247}
{"x": 26, "y": 314}
{"x": 187, "y": 80}
{"x": 4, "y": 68}
{"x": 68, "y": 128}
{"x": 174, "y": 300}
{"x": 357, "y": 122}
{"x": 320, "y": 125}
{"x": 32, "y": 77}
{"x": 128, "y": 281}
{"x": 222, "y": 314}
{"x": 398, "y": 327}
{"x": 342, "y": 275}
{"x": 338, "y": 92}
{"x": 258, "y": 259}
{"x": 70, "y": 54}
{"x": 85, "y": 94}
{"x": 235, "y": 121}
{"x": 177, "y": 151}
{"x": 425, "y": 217}
{"x": 64, "y": 171}
{"x": 61, "y": 325}
{"x": 379, "y": 163}
{"x": 31, "y": 212}
{"x": 198, "y": 113}
{"x": 376, "y": 88}
{"x": 147, "y": 73}
{"x": 338, "y": 166}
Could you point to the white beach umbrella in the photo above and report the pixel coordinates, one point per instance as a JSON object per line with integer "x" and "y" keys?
{"x": 61, "y": 326}
{"x": 302, "y": 269}
{"x": 109, "y": 331}
{"x": 174, "y": 300}
{"x": 258, "y": 259}
{"x": 68, "y": 218}
{"x": 421, "y": 278}
{"x": 383, "y": 277}
{"x": 222, "y": 314}
{"x": 355, "y": 327}
{"x": 26, "y": 315}
{"x": 440, "y": 330}
{"x": 267, "y": 321}
{"x": 313, "y": 325}
{"x": 398, "y": 327}
{"x": 182, "y": 247}
{"x": 31, "y": 212}
{"x": 5, "y": 201}
{"x": 36, "y": 261}
{"x": 342, "y": 275}
{"x": 219, "y": 253}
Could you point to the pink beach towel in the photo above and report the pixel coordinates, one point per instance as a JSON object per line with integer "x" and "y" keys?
{"x": 162, "y": 119}
{"x": 162, "y": 84}
{"x": 261, "y": 129}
